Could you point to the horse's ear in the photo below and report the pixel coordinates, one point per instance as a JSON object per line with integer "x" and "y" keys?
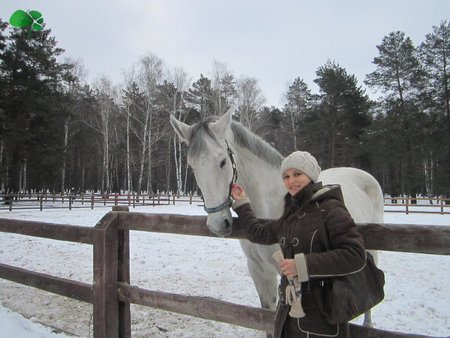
{"x": 182, "y": 129}
{"x": 222, "y": 124}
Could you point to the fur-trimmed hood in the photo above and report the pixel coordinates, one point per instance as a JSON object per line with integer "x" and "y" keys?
{"x": 328, "y": 191}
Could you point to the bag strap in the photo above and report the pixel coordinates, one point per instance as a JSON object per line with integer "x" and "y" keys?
{"x": 323, "y": 231}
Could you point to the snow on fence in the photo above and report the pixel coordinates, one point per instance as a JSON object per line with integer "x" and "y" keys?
{"x": 111, "y": 293}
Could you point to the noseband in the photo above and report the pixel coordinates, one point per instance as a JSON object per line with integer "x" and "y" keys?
{"x": 229, "y": 200}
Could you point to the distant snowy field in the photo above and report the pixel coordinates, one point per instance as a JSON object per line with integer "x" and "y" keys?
{"x": 417, "y": 294}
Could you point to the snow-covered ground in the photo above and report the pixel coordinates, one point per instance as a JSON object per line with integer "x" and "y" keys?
{"x": 417, "y": 297}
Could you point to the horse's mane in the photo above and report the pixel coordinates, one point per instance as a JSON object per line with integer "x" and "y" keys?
{"x": 255, "y": 144}
{"x": 242, "y": 136}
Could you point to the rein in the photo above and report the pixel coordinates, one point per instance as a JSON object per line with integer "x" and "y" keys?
{"x": 229, "y": 200}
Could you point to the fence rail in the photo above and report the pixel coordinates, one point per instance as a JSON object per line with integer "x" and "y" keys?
{"x": 111, "y": 293}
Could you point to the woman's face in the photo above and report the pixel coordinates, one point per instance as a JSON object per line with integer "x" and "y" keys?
{"x": 294, "y": 181}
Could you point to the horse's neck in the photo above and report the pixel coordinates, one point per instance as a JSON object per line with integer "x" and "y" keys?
{"x": 262, "y": 183}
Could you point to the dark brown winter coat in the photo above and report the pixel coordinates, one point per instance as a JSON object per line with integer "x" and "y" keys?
{"x": 297, "y": 232}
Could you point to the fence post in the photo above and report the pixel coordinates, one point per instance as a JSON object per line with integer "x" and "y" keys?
{"x": 40, "y": 198}
{"x": 105, "y": 296}
{"x": 123, "y": 274}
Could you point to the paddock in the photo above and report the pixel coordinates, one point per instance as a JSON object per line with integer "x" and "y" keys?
{"x": 111, "y": 293}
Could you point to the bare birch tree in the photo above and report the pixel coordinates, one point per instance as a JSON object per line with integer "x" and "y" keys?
{"x": 223, "y": 88}
{"x": 150, "y": 74}
{"x": 249, "y": 101}
{"x": 130, "y": 103}
{"x": 181, "y": 84}
{"x": 105, "y": 93}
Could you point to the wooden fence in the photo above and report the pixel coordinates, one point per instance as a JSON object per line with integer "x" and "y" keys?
{"x": 52, "y": 201}
{"x": 436, "y": 205}
{"x": 418, "y": 205}
{"x": 111, "y": 293}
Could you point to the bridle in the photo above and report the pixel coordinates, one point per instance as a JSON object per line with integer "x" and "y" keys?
{"x": 229, "y": 200}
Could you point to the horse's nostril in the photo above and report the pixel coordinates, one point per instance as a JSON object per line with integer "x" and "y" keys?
{"x": 227, "y": 225}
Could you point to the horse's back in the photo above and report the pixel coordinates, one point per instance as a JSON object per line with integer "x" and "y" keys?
{"x": 362, "y": 192}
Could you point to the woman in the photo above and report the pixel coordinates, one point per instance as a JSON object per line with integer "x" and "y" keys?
{"x": 304, "y": 263}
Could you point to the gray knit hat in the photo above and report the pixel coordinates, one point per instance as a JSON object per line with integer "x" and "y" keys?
{"x": 303, "y": 161}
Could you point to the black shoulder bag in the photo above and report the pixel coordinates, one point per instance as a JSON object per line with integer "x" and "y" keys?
{"x": 343, "y": 298}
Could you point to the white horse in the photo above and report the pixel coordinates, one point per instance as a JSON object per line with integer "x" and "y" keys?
{"x": 218, "y": 149}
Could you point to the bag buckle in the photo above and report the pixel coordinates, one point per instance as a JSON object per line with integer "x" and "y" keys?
{"x": 281, "y": 296}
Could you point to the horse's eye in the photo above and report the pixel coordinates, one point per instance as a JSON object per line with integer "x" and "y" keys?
{"x": 222, "y": 164}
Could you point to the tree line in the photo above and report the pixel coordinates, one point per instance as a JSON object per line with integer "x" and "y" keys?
{"x": 57, "y": 132}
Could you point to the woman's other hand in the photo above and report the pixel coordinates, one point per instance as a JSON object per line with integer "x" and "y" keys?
{"x": 288, "y": 267}
{"x": 237, "y": 192}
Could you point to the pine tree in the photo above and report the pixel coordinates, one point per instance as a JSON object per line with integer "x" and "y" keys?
{"x": 83, "y": 154}
{"x": 199, "y": 97}
{"x": 435, "y": 55}
{"x": 32, "y": 134}
{"x": 270, "y": 128}
{"x": 343, "y": 109}
{"x": 3, "y": 97}
{"x": 400, "y": 77}
{"x": 298, "y": 104}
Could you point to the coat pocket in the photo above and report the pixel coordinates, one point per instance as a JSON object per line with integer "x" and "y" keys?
{"x": 316, "y": 324}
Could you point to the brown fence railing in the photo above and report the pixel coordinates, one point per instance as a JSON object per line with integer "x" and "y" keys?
{"x": 111, "y": 293}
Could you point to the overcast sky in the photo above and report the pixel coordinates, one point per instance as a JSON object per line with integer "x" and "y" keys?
{"x": 271, "y": 41}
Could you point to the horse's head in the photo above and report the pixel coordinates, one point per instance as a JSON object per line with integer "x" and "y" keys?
{"x": 210, "y": 159}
